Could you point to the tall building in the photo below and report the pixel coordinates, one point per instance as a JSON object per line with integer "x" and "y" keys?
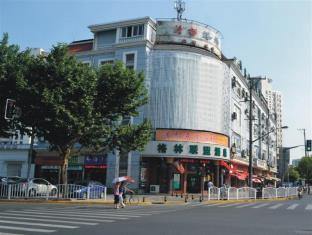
{"x": 197, "y": 105}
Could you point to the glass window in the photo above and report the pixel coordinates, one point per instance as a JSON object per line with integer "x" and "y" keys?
{"x": 129, "y": 32}
{"x": 135, "y": 30}
{"x": 124, "y": 32}
{"x": 106, "y": 62}
{"x": 141, "y": 29}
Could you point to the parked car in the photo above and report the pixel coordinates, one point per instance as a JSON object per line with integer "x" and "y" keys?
{"x": 36, "y": 186}
{"x": 81, "y": 190}
{"x": 11, "y": 180}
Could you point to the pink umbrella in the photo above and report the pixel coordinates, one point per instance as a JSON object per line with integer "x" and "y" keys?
{"x": 123, "y": 178}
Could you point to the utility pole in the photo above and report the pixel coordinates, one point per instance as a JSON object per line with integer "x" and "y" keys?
{"x": 305, "y": 141}
{"x": 250, "y": 133}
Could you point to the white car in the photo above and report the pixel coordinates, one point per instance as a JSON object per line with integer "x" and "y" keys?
{"x": 37, "y": 186}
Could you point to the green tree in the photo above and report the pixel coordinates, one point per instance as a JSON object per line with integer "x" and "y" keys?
{"x": 293, "y": 174}
{"x": 70, "y": 103}
{"x": 13, "y": 64}
{"x": 305, "y": 168}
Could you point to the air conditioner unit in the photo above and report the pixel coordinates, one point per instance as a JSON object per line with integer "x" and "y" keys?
{"x": 154, "y": 188}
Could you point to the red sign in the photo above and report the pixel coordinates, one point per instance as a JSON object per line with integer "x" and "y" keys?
{"x": 95, "y": 166}
{"x": 204, "y": 137}
{"x": 194, "y": 161}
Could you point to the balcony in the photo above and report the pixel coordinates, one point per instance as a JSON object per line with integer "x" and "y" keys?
{"x": 131, "y": 39}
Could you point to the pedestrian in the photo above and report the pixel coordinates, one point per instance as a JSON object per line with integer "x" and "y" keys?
{"x": 116, "y": 195}
{"x": 122, "y": 193}
{"x": 210, "y": 184}
{"x": 300, "y": 192}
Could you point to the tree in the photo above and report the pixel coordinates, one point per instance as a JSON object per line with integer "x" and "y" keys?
{"x": 13, "y": 64}
{"x": 70, "y": 103}
{"x": 305, "y": 168}
{"x": 293, "y": 174}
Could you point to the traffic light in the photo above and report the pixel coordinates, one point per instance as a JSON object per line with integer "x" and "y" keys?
{"x": 309, "y": 145}
{"x": 10, "y": 108}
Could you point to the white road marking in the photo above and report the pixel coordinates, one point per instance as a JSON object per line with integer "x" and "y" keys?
{"x": 59, "y": 217}
{"x": 244, "y": 205}
{"x": 72, "y": 215}
{"x": 47, "y": 220}
{"x": 37, "y": 224}
{"x": 309, "y": 207}
{"x": 215, "y": 204}
{"x": 276, "y": 206}
{"x": 28, "y": 229}
{"x": 260, "y": 205}
{"x": 10, "y": 234}
{"x": 292, "y": 207}
{"x": 229, "y": 205}
{"x": 83, "y": 212}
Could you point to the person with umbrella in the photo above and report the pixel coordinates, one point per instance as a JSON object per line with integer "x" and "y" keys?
{"x": 120, "y": 190}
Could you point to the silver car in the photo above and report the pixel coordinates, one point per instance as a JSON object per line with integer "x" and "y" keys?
{"x": 37, "y": 186}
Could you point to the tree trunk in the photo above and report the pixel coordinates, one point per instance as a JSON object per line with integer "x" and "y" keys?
{"x": 65, "y": 156}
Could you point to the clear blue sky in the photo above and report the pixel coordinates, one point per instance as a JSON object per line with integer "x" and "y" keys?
{"x": 272, "y": 38}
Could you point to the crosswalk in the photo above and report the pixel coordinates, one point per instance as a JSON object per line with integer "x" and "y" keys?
{"x": 45, "y": 220}
{"x": 271, "y": 206}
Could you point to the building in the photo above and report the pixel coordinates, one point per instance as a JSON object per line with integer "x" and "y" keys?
{"x": 198, "y": 106}
{"x": 295, "y": 162}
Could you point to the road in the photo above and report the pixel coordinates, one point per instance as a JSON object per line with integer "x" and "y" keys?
{"x": 263, "y": 217}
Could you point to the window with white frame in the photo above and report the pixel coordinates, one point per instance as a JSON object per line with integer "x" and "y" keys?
{"x": 87, "y": 62}
{"x": 132, "y": 31}
{"x": 129, "y": 59}
{"x": 106, "y": 61}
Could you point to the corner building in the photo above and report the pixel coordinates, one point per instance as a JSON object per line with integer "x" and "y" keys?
{"x": 190, "y": 98}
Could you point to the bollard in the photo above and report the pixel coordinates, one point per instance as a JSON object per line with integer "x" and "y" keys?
{"x": 185, "y": 199}
{"x": 181, "y": 195}
{"x": 192, "y": 197}
{"x": 200, "y": 199}
{"x": 176, "y": 194}
{"x": 143, "y": 199}
{"x": 165, "y": 199}
{"x": 172, "y": 194}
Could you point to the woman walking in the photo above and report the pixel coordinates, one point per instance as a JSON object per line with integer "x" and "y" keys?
{"x": 116, "y": 190}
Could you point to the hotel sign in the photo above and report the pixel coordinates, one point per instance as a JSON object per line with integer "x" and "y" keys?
{"x": 204, "y": 137}
{"x": 189, "y": 33}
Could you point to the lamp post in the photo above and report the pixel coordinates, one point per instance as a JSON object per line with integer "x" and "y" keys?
{"x": 304, "y": 141}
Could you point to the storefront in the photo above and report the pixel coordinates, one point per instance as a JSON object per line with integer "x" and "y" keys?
{"x": 183, "y": 161}
{"x": 48, "y": 165}
{"x": 239, "y": 173}
{"x": 75, "y": 170}
{"x": 95, "y": 168}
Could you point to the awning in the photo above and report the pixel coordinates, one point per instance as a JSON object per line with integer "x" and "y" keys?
{"x": 240, "y": 176}
{"x": 224, "y": 164}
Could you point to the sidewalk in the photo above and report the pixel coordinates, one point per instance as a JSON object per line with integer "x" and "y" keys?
{"x": 143, "y": 200}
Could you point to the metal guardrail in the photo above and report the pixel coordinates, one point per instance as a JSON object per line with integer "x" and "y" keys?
{"x": 62, "y": 191}
{"x": 232, "y": 193}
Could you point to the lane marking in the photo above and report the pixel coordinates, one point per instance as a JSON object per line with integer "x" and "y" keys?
{"x": 38, "y": 224}
{"x": 232, "y": 204}
{"x": 260, "y": 205}
{"x": 129, "y": 214}
{"x": 244, "y": 205}
{"x": 309, "y": 207}
{"x": 276, "y": 206}
{"x": 28, "y": 229}
{"x": 71, "y": 214}
{"x": 59, "y": 217}
{"x": 292, "y": 207}
{"x": 215, "y": 204}
{"x": 47, "y": 220}
{"x": 10, "y": 234}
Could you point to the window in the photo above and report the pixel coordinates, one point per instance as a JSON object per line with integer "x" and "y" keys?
{"x": 87, "y": 62}
{"x": 106, "y": 61}
{"x": 132, "y": 31}
{"x": 14, "y": 169}
{"x": 130, "y": 60}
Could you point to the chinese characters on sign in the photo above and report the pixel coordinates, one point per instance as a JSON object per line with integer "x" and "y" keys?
{"x": 194, "y": 149}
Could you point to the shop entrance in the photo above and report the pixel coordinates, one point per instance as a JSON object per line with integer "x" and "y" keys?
{"x": 193, "y": 183}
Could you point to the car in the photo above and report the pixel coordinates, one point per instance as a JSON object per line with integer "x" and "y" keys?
{"x": 81, "y": 190}
{"x": 36, "y": 186}
{"x": 10, "y": 180}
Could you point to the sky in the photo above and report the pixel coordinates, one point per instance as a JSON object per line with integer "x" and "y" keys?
{"x": 273, "y": 38}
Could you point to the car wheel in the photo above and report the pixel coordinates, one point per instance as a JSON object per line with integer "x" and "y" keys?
{"x": 53, "y": 192}
{"x": 32, "y": 193}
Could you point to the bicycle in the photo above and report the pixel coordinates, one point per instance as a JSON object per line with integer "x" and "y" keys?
{"x": 133, "y": 199}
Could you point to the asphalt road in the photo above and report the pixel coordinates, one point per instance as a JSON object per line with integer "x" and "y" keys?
{"x": 263, "y": 217}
